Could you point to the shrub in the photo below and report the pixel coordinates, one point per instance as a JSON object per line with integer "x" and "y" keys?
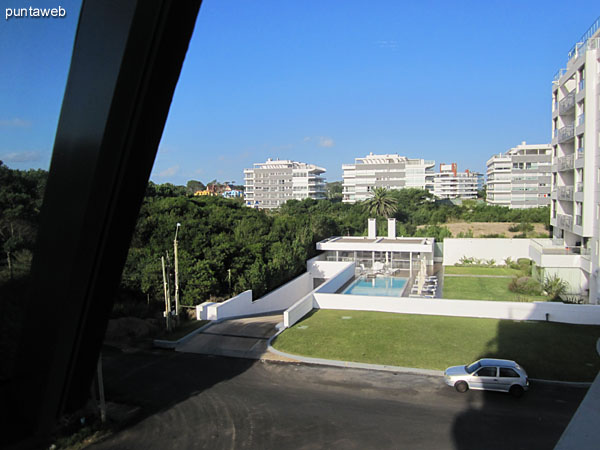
{"x": 525, "y": 285}
{"x": 523, "y": 227}
{"x": 524, "y": 264}
{"x": 555, "y": 286}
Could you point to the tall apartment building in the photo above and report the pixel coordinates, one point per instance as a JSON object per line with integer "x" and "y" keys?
{"x": 449, "y": 183}
{"x": 388, "y": 171}
{"x": 521, "y": 177}
{"x": 575, "y": 209}
{"x": 270, "y": 184}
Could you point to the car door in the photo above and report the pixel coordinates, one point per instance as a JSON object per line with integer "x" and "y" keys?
{"x": 507, "y": 377}
{"x": 486, "y": 378}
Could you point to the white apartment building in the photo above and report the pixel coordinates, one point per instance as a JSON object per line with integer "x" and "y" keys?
{"x": 521, "y": 177}
{"x": 388, "y": 171}
{"x": 270, "y": 184}
{"x": 575, "y": 208}
{"x": 449, "y": 183}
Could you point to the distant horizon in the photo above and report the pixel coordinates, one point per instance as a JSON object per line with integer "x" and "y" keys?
{"x": 320, "y": 83}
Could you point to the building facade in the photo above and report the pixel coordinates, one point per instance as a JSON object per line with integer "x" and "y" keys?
{"x": 449, "y": 183}
{"x": 521, "y": 177}
{"x": 270, "y": 184}
{"x": 575, "y": 207}
{"x": 387, "y": 171}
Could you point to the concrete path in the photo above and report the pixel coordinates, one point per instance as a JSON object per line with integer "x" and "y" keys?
{"x": 239, "y": 338}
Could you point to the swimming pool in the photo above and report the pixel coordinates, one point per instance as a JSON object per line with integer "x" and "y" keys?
{"x": 379, "y": 286}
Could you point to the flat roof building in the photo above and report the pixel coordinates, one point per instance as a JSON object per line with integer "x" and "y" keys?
{"x": 449, "y": 183}
{"x": 520, "y": 178}
{"x": 389, "y": 171}
{"x": 575, "y": 208}
{"x": 270, "y": 184}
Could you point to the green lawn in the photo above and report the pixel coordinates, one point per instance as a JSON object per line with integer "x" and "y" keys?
{"x": 474, "y": 270}
{"x": 546, "y": 350}
{"x": 480, "y": 288}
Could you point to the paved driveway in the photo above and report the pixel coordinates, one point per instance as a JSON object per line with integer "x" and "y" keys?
{"x": 240, "y": 338}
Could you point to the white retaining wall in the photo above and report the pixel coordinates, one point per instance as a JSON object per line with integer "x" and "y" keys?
{"x": 298, "y": 310}
{"x": 344, "y": 272}
{"x": 557, "y": 312}
{"x": 242, "y": 304}
{"x": 497, "y": 249}
{"x": 326, "y": 269}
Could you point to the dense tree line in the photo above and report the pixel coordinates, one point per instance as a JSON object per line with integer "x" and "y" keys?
{"x": 224, "y": 247}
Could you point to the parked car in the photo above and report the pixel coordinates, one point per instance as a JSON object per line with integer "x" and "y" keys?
{"x": 490, "y": 375}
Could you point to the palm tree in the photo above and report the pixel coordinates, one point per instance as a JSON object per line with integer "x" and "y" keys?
{"x": 382, "y": 203}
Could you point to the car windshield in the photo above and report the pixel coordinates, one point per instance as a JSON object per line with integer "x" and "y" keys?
{"x": 473, "y": 367}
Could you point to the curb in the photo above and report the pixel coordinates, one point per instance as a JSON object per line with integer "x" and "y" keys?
{"x": 398, "y": 369}
{"x": 162, "y": 343}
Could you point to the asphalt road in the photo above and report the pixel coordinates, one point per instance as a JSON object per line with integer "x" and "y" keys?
{"x": 195, "y": 401}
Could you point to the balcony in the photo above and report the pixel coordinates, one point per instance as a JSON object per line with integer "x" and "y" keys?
{"x": 564, "y": 221}
{"x": 565, "y": 133}
{"x": 582, "y": 85}
{"x": 580, "y": 153}
{"x": 565, "y": 162}
{"x": 578, "y": 220}
{"x": 567, "y": 103}
{"x": 565, "y": 193}
{"x": 579, "y": 187}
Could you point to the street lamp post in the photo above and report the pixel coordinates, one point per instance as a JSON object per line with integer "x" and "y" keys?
{"x": 176, "y": 272}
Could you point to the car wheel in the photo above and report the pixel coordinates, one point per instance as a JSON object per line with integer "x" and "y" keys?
{"x": 516, "y": 391}
{"x": 461, "y": 386}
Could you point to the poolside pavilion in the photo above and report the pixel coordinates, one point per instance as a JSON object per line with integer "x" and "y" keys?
{"x": 397, "y": 256}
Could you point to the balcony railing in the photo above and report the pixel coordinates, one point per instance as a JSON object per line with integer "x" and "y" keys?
{"x": 581, "y": 85}
{"x": 565, "y": 222}
{"x": 565, "y": 193}
{"x": 567, "y": 103}
{"x": 579, "y": 187}
{"x": 565, "y": 133}
{"x": 581, "y": 119}
{"x": 565, "y": 162}
{"x": 578, "y": 220}
{"x": 580, "y": 152}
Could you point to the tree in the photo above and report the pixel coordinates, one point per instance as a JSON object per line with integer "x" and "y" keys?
{"x": 193, "y": 186}
{"x": 382, "y": 203}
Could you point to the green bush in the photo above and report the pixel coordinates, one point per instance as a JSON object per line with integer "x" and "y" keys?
{"x": 525, "y": 285}
{"x": 524, "y": 264}
{"x": 555, "y": 286}
{"x": 523, "y": 227}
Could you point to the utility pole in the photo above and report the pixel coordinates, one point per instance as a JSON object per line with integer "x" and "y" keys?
{"x": 176, "y": 273}
{"x": 167, "y": 299}
{"x": 229, "y": 279}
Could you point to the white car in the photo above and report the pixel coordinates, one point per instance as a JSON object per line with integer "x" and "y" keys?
{"x": 490, "y": 375}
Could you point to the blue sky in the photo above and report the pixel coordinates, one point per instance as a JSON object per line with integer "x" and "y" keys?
{"x": 318, "y": 81}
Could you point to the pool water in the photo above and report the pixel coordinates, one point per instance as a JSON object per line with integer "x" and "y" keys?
{"x": 379, "y": 286}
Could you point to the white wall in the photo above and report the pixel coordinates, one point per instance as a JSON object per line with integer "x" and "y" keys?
{"x": 327, "y": 269}
{"x": 298, "y": 310}
{"x": 498, "y": 249}
{"x": 558, "y": 312}
{"x": 278, "y": 300}
{"x": 344, "y": 274}
{"x": 338, "y": 274}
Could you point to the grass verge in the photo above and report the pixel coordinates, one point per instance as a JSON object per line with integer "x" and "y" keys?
{"x": 481, "y": 288}
{"x": 547, "y": 350}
